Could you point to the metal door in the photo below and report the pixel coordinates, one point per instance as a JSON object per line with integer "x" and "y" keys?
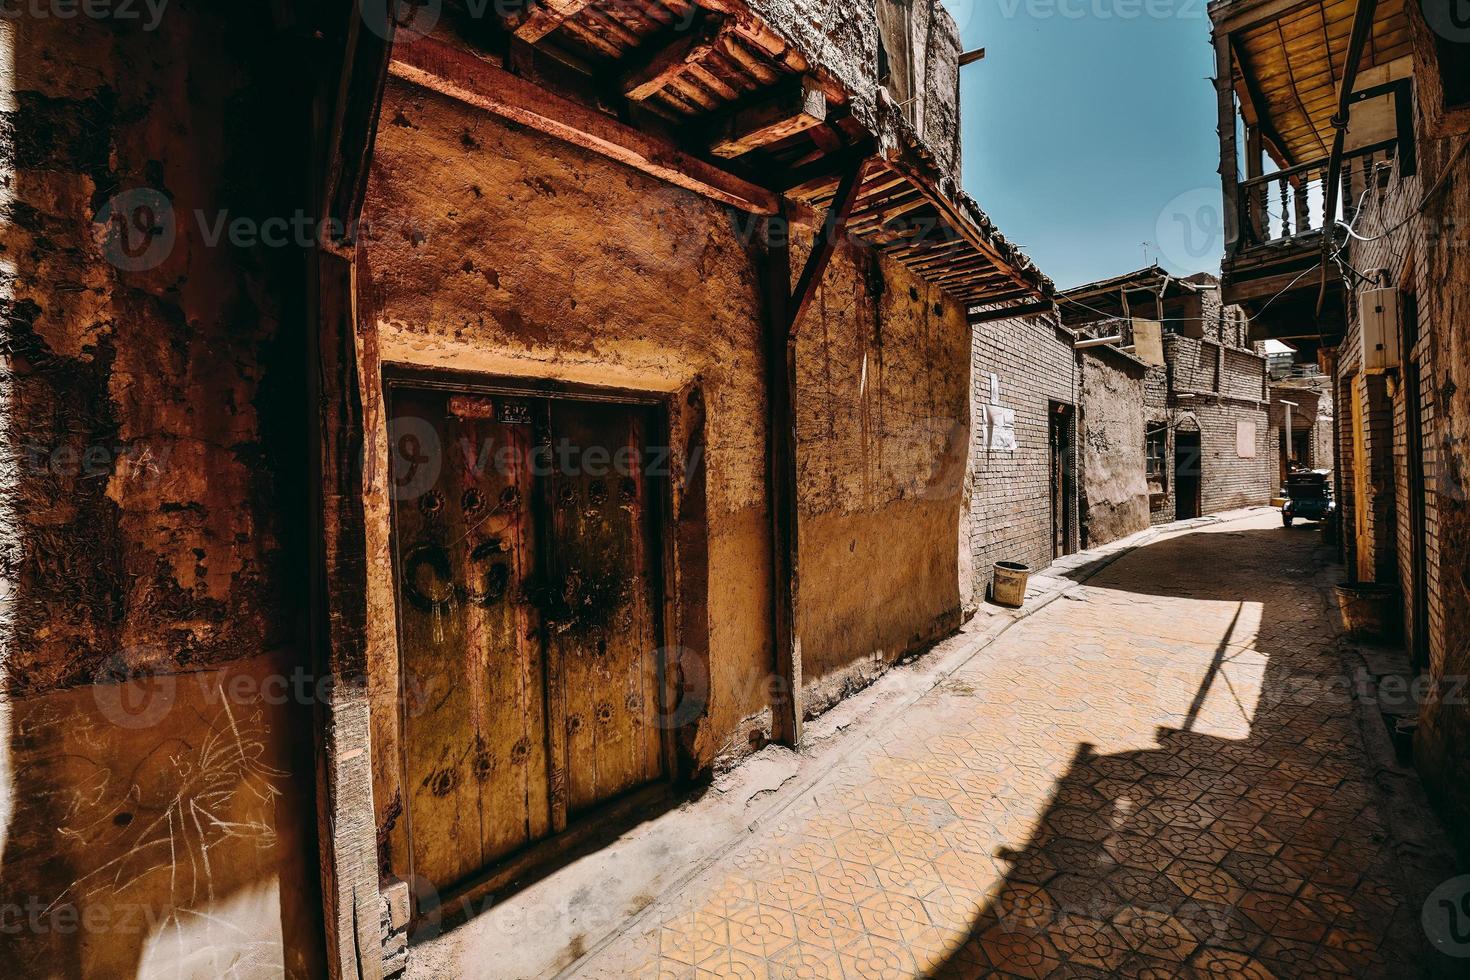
{"x": 527, "y": 620}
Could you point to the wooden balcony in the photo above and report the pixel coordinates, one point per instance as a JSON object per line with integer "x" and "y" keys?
{"x": 1300, "y": 78}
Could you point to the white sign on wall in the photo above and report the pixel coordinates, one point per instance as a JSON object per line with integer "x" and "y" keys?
{"x": 1245, "y": 439}
{"x": 1000, "y": 429}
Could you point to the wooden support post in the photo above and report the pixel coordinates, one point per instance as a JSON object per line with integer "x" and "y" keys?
{"x": 346, "y": 107}
{"x": 345, "y": 818}
{"x": 786, "y": 704}
{"x": 1362, "y": 29}
{"x": 1225, "y": 109}
{"x": 783, "y": 313}
{"x": 1254, "y": 151}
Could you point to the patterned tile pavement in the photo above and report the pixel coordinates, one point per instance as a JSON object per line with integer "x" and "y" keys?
{"x": 1160, "y": 777}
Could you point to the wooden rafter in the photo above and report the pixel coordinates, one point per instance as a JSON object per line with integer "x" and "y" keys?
{"x": 546, "y": 16}
{"x": 669, "y": 57}
{"x": 793, "y": 110}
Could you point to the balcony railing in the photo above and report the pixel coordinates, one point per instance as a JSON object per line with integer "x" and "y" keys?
{"x": 1288, "y": 205}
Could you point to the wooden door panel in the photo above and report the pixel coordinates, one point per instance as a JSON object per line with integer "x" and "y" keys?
{"x": 602, "y": 632}
{"x": 474, "y": 736}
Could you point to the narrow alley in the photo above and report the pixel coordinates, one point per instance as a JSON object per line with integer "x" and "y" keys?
{"x": 586, "y": 489}
{"x": 1160, "y": 774}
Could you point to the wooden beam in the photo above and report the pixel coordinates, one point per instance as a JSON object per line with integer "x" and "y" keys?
{"x": 826, "y": 171}
{"x": 960, "y": 224}
{"x": 356, "y": 99}
{"x": 1011, "y": 312}
{"x": 346, "y": 103}
{"x": 458, "y": 74}
{"x": 546, "y": 16}
{"x": 791, "y": 111}
{"x": 824, "y": 247}
{"x": 661, "y": 61}
{"x": 1225, "y": 126}
{"x": 782, "y": 486}
{"x": 970, "y": 57}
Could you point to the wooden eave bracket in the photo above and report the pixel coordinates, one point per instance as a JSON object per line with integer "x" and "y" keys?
{"x": 828, "y": 236}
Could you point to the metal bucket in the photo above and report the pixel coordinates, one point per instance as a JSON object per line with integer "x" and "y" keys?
{"x": 1369, "y": 612}
{"x": 1008, "y": 584}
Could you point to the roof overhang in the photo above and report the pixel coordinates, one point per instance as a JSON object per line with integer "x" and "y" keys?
{"x": 714, "y": 99}
{"x": 1289, "y": 59}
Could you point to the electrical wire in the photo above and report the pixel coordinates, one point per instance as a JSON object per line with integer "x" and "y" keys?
{"x": 1423, "y": 202}
{"x": 1199, "y": 319}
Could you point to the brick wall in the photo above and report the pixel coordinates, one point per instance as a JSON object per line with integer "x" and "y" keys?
{"x": 1216, "y": 388}
{"x": 1426, "y": 257}
{"x": 1011, "y": 492}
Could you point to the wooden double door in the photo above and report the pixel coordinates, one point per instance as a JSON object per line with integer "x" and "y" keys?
{"x": 527, "y": 567}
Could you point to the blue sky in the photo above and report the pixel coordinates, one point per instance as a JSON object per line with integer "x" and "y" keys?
{"x": 1089, "y": 129}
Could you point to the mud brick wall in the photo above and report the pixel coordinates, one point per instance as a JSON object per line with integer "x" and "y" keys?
{"x": 1231, "y": 481}
{"x": 1011, "y": 492}
{"x": 1216, "y": 388}
{"x": 1114, "y": 491}
{"x": 1442, "y": 274}
{"x": 883, "y": 427}
{"x": 155, "y": 750}
{"x": 495, "y": 250}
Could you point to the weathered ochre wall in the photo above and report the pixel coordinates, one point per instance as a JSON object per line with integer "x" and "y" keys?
{"x": 493, "y": 249}
{"x": 1113, "y": 488}
{"x": 883, "y": 422}
{"x": 155, "y": 756}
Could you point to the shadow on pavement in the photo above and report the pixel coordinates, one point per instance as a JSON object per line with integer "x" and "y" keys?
{"x": 1250, "y": 842}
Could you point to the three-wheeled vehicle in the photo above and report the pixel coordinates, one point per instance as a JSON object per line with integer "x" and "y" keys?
{"x": 1308, "y": 497}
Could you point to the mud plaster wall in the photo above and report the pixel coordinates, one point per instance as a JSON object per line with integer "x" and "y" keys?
{"x": 493, "y": 249}
{"x": 1113, "y": 487}
{"x": 883, "y": 423}
{"x": 155, "y": 810}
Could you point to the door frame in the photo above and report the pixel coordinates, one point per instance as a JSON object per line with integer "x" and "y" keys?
{"x": 1196, "y": 480}
{"x": 616, "y": 814}
{"x": 1062, "y": 448}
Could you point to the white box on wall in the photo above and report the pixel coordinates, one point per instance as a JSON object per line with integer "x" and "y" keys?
{"x": 1378, "y": 312}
